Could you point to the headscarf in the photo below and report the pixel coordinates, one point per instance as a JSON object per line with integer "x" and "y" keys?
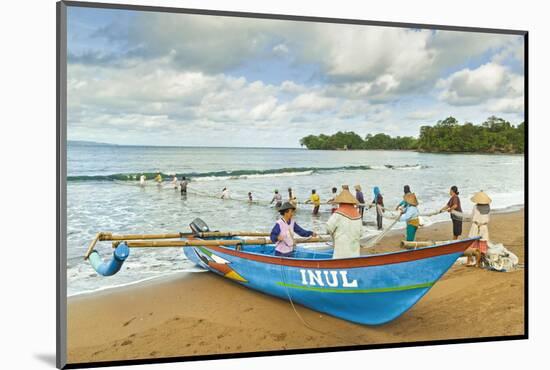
{"x": 376, "y": 192}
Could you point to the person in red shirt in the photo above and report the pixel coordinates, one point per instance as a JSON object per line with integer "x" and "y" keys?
{"x": 454, "y": 205}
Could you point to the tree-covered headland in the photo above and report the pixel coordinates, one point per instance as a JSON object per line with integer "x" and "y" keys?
{"x": 495, "y": 135}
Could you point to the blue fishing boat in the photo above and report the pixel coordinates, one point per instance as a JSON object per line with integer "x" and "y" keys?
{"x": 370, "y": 289}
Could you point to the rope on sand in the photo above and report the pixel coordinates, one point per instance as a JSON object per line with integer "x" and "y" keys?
{"x": 283, "y": 275}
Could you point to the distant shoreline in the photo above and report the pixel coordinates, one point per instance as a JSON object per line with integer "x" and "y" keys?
{"x": 100, "y": 144}
{"x": 413, "y": 151}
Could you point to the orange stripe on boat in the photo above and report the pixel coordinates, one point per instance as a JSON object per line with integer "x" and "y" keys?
{"x": 374, "y": 260}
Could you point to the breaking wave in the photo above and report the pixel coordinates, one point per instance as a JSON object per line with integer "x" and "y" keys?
{"x": 242, "y": 174}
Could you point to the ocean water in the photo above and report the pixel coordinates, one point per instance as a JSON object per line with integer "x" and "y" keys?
{"x": 103, "y": 194}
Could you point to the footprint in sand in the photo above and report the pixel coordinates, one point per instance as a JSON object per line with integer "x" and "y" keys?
{"x": 126, "y": 342}
{"x": 278, "y": 337}
{"x": 128, "y": 322}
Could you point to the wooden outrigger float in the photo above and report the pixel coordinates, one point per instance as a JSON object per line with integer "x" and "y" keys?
{"x": 370, "y": 289}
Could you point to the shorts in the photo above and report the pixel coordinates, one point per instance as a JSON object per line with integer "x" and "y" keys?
{"x": 457, "y": 227}
{"x": 315, "y": 210}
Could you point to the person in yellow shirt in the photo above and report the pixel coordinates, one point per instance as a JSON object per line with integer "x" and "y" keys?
{"x": 158, "y": 178}
{"x": 316, "y": 200}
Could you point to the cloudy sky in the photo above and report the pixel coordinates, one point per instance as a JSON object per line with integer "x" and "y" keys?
{"x": 177, "y": 79}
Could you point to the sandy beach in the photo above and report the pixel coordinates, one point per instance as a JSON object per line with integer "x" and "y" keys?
{"x": 201, "y": 313}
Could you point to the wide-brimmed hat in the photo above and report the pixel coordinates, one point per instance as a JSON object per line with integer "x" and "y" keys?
{"x": 357, "y": 187}
{"x": 285, "y": 206}
{"x": 481, "y": 198}
{"x": 410, "y": 198}
{"x": 345, "y": 197}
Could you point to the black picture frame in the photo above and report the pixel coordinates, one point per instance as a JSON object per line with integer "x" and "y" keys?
{"x": 61, "y": 186}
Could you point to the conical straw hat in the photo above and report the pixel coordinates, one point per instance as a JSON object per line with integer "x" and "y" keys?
{"x": 481, "y": 198}
{"x": 358, "y": 187}
{"x": 411, "y": 199}
{"x": 345, "y": 197}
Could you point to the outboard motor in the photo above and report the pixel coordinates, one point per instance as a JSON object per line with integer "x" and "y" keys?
{"x": 199, "y": 226}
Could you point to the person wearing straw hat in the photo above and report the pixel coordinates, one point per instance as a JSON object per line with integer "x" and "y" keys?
{"x": 282, "y": 233}
{"x": 360, "y": 199}
{"x": 480, "y": 227}
{"x": 409, "y": 214}
{"x": 345, "y": 226}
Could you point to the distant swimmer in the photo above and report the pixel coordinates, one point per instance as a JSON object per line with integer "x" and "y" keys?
{"x": 142, "y": 180}
{"x": 316, "y": 200}
{"x": 175, "y": 182}
{"x": 158, "y": 178}
{"x": 278, "y": 199}
{"x": 183, "y": 186}
{"x": 250, "y": 200}
{"x": 225, "y": 193}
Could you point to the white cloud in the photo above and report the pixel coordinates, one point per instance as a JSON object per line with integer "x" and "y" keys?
{"x": 176, "y": 74}
{"x": 476, "y": 86}
{"x": 507, "y": 105}
{"x": 280, "y": 49}
{"x": 155, "y": 99}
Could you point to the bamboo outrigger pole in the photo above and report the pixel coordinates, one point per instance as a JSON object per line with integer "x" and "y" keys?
{"x": 427, "y": 243}
{"x": 209, "y": 234}
{"x": 206, "y": 243}
{"x": 140, "y": 240}
{"x": 92, "y": 245}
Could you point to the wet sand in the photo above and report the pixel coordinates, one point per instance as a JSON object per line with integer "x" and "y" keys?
{"x": 201, "y": 313}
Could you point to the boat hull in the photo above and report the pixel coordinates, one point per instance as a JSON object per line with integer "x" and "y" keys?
{"x": 369, "y": 290}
